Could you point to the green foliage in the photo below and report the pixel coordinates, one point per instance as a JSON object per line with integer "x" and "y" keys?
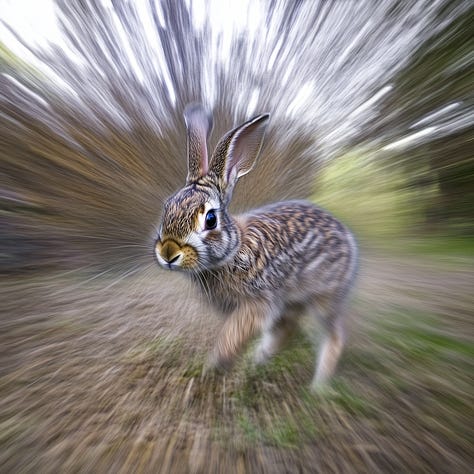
{"x": 284, "y": 433}
{"x": 416, "y": 337}
{"x": 342, "y": 395}
{"x": 375, "y": 199}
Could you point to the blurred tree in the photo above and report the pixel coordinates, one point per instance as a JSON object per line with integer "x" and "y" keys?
{"x": 433, "y": 96}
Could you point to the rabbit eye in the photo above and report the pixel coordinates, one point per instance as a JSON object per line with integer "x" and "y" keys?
{"x": 211, "y": 220}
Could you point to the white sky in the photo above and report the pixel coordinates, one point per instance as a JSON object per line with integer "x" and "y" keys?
{"x": 35, "y": 21}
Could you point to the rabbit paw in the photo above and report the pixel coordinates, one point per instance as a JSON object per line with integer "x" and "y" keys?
{"x": 218, "y": 364}
{"x": 261, "y": 355}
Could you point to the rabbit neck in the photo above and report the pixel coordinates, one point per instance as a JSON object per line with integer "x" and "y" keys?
{"x": 221, "y": 285}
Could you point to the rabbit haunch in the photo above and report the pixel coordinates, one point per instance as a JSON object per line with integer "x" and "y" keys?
{"x": 262, "y": 269}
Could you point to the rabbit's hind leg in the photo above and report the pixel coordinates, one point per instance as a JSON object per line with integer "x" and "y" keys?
{"x": 330, "y": 349}
{"x": 276, "y": 333}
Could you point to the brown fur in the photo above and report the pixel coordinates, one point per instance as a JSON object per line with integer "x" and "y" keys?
{"x": 263, "y": 268}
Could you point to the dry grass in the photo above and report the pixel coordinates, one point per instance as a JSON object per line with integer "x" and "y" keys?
{"x": 106, "y": 376}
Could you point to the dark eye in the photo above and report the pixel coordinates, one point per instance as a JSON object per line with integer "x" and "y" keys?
{"x": 211, "y": 219}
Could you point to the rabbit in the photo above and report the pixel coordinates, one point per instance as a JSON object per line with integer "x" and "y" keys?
{"x": 262, "y": 269}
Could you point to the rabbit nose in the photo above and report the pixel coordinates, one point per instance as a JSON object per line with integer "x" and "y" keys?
{"x": 170, "y": 252}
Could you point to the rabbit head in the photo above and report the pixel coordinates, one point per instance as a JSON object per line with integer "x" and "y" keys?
{"x": 196, "y": 232}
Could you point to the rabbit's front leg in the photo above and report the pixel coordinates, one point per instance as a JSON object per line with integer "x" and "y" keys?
{"x": 277, "y": 332}
{"x": 243, "y": 323}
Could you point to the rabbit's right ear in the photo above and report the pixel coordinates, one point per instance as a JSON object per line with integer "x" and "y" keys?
{"x": 198, "y": 128}
{"x": 237, "y": 152}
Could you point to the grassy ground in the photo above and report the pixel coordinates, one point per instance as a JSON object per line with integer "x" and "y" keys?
{"x": 105, "y": 375}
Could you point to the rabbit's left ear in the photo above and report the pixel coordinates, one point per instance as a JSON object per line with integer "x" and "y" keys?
{"x": 198, "y": 127}
{"x": 237, "y": 152}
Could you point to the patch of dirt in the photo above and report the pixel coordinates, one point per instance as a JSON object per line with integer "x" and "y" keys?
{"x": 105, "y": 375}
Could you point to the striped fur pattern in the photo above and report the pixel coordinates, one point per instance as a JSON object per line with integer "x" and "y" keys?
{"x": 262, "y": 269}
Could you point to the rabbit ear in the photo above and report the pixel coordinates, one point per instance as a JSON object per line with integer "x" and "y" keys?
{"x": 237, "y": 152}
{"x": 198, "y": 127}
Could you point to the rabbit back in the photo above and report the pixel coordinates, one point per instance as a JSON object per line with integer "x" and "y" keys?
{"x": 292, "y": 251}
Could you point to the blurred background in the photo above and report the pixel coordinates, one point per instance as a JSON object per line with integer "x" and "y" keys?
{"x": 101, "y": 353}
